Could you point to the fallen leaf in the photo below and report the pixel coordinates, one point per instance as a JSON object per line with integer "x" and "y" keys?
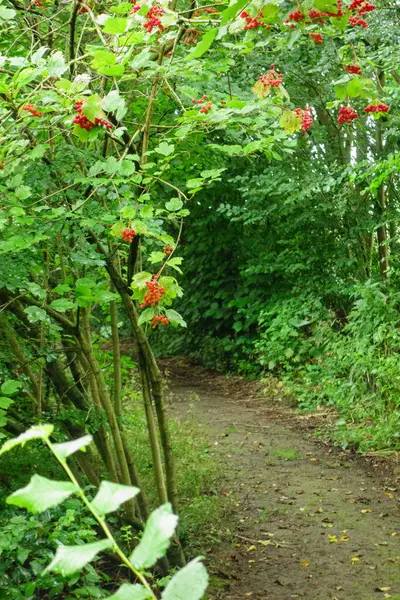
{"x": 305, "y": 563}
{"x": 314, "y": 459}
{"x": 344, "y": 538}
{"x": 383, "y": 589}
{"x": 333, "y": 539}
{"x": 265, "y": 542}
{"x": 251, "y": 548}
{"x": 355, "y": 559}
{"x": 394, "y": 533}
{"x": 388, "y": 494}
{"x": 364, "y": 511}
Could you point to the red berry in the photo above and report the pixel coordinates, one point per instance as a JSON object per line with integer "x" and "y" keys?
{"x": 317, "y": 37}
{"x": 271, "y": 78}
{"x": 157, "y": 320}
{"x": 347, "y": 114}
{"x": 306, "y": 117}
{"x": 128, "y": 235}
{"x": 353, "y": 69}
{"x": 31, "y": 109}
{"x": 168, "y": 249}
{"x": 376, "y": 108}
{"x": 154, "y": 293}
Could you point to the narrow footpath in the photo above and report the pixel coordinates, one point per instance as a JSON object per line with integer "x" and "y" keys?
{"x": 309, "y": 521}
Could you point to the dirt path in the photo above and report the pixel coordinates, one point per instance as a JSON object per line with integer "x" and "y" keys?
{"x": 311, "y": 522}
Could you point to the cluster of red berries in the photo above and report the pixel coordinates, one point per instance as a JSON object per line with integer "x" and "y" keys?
{"x": 296, "y": 16}
{"x": 31, "y": 109}
{"x": 306, "y": 117}
{"x": 82, "y": 8}
{"x": 376, "y": 108}
{"x": 271, "y": 78}
{"x": 153, "y": 19}
{"x": 353, "y": 69}
{"x": 347, "y": 114}
{"x": 136, "y": 7}
{"x": 354, "y": 21}
{"x": 362, "y": 7}
{"x": 317, "y": 37}
{"x": 206, "y": 105}
{"x": 158, "y": 320}
{"x": 168, "y": 249}
{"x": 84, "y": 122}
{"x": 253, "y": 22}
{"x": 154, "y": 293}
{"x": 38, "y": 3}
{"x": 128, "y": 234}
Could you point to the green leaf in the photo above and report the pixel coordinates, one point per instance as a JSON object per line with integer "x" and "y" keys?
{"x": 269, "y": 12}
{"x": 355, "y": 87}
{"x": 69, "y": 559}
{"x": 174, "y": 262}
{"x": 41, "y": 493}
{"x": 190, "y": 583}
{"x": 6, "y": 14}
{"x": 114, "y": 103}
{"x": 174, "y": 204}
{"x": 203, "y": 45}
{"x": 5, "y": 402}
{"x": 56, "y": 65}
{"x": 230, "y": 13}
{"x": 10, "y": 387}
{"x": 61, "y": 304}
{"x": 65, "y": 449}
{"x": 146, "y": 316}
{"x": 91, "y": 108}
{"x": 159, "y": 528}
{"x": 103, "y": 58}
{"x": 111, "y": 495}
{"x": 139, "y": 280}
{"x": 156, "y": 257}
{"x": 115, "y": 25}
{"x": 175, "y": 317}
{"x": 165, "y": 149}
{"x": 146, "y": 212}
{"x": 62, "y": 288}
{"x": 130, "y": 591}
{"x": 36, "y": 432}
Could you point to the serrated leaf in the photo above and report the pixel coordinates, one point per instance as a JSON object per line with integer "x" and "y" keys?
{"x": 203, "y": 45}
{"x": 115, "y": 25}
{"x": 130, "y": 591}
{"x": 56, "y": 64}
{"x": 114, "y": 103}
{"x": 190, "y": 583}
{"x": 355, "y": 87}
{"x": 41, "y": 493}
{"x": 10, "y": 387}
{"x": 111, "y": 495}
{"x": 290, "y": 122}
{"x": 65, "y": 449}
{"x": 156, "y": 257}
{"x": 174, "y": 262}
{"x": 69, "y": 559}
{"x": 165, "y": 149}
{"x": 175, "y": 317}
{"x": 139, "y": 280}
{"x": 146, "y": 316}
{"x": 36, "y": 432}
{"x": 158, "y": 531}
{"x": 174, "y": 204}
{"x": 61, "y": 304}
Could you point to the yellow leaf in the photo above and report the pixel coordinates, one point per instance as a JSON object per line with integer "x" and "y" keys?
{"x": 251, "y": 548}
{"x": 384, "y": 589}
{"x": 265, "y": 542}
{"x": 333, "y": 539}
{"x": 261, "y": 90}
{"x": 291, "y": 122}
{"x": 364, "y": 511}
{"x": 344, "y": 538}
{"x": 355, "y": 559}
{"x": 388, "y": 494}
{"x": 252, "y": 561}
{"x": 394, "y": 533}
{"x": 305, "y": 563}
{"x": 313, "y": 459}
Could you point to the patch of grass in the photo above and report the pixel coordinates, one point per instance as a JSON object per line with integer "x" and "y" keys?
{"x": 286, "y": 454}
{"x": 202, "y": 509}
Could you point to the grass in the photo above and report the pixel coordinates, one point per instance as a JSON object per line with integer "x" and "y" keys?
{"x": 202, "y": 509}
{"x": 286, "y": 454}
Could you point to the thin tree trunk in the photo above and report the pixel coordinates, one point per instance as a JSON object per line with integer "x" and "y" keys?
{"x": 383, "y": 247}
{"x": 116, "y": 358}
